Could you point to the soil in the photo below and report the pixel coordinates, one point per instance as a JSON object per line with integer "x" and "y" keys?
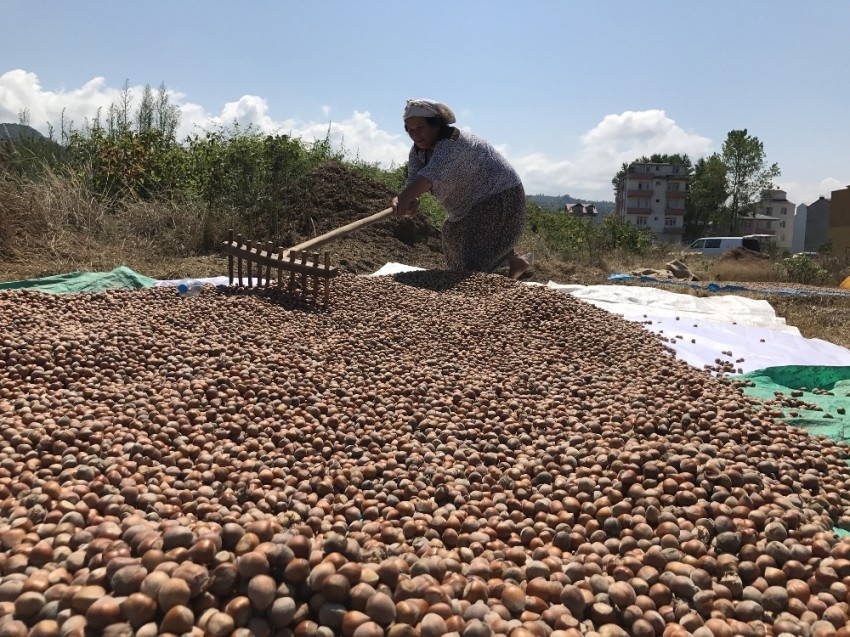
{"x": 335, "y": 196}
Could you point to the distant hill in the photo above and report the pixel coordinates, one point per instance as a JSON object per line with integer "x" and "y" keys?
{"x": 18, "y": 132}
{"x": 550, "y": 202}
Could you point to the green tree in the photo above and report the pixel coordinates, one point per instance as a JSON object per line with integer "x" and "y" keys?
{"x": 118, "y": 160}
{"x": 166, "y": 114}
{"x": 144, "y": 114}
{"x": 747, "y": 174}
{"x": 707, "y": 195}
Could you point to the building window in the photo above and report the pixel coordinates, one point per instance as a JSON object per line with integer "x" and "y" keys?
{"x": 640, "y": 221}
{"x": 768, "y": 210}
{"x": 783, "y": 211}
{"x": 670, "y": 222}
{"x": 782, "y": 224}
{"x": 673, "y": 186}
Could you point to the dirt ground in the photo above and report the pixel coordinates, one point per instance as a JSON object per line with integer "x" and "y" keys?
{"x": 338, "y": 197}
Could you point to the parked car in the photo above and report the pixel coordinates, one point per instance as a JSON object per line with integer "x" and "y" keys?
{"x": 715, "y": 246}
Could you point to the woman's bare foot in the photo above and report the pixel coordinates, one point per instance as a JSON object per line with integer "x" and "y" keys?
{"x": 517, "y": 266}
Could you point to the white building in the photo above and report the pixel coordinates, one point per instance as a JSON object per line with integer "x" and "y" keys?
{"x": 775, "y": 204}
{"x": 652, "y": 196}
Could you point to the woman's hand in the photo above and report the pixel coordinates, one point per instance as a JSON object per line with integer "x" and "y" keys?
{"x": 407, "y": 201}
{"x": 405, "y": 206}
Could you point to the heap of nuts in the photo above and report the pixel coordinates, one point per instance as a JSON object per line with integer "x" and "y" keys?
{"x": 435, "y": 454}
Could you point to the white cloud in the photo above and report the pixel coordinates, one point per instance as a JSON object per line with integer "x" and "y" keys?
{"x": 807, "y": 193}
{"x": 616, "y": 140}
{"x": 632, "y": 134}
{"x": 21, "y": 92}
{"x": 361, "y": 137}
{"x": 544, "y": 175}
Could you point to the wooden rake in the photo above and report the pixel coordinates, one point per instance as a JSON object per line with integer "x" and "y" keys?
{"x": 308, "y": 272}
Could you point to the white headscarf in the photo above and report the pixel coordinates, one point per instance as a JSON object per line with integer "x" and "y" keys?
{"x": 429, "y": 108}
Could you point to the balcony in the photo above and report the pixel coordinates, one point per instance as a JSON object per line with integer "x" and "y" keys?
{"x": 673, "y": 230}
{"x": 674, "y": 212}
{"x": 677, "y": 194}
{"x": 638, "y": 210}
{"x": 640, "y": 193}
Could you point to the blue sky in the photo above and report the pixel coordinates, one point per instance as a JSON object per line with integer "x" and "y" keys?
{"x": 568, "y": 90}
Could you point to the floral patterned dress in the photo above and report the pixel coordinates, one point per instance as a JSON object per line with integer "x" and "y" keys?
{"x": 483, "y": 197}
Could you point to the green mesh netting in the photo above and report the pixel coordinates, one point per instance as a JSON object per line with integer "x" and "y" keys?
{"x": 827, "y": 389}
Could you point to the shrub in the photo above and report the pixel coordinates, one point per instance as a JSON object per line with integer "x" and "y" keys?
{"x": 572, "y": 238}
{"x": 620, "y": 234}
{"x": 802, "y": 269}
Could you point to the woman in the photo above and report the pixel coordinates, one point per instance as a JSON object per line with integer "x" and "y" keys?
{"x": 480, "y": 191}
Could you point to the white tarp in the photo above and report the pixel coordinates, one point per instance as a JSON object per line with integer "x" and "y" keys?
{"x": 212, "y": 280}
{"x": 704, "y": 329}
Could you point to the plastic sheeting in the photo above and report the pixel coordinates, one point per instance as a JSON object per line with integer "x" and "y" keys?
{"x": 212, "y": 280}
{"x": 704, "y": 330}
{"x": 74, "y": 282}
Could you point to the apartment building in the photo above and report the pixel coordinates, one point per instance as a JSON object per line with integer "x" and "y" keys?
{"x": 817, "y": 225}
{"x": 839, "y": 222}
{"x": 652, "y": 196}
{"x": 775, "y": 207}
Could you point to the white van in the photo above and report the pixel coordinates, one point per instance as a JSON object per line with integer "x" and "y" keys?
{"x": 715, "y": 246}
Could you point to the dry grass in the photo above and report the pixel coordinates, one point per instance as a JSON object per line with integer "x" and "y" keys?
{"x": 54, "y": 226}
{"x": 818, "y": 313}
{"x": 823, "y": 317}
{"x": 746, "y": 270}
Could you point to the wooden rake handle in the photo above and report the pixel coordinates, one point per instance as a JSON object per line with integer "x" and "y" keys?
{"x": 340, "y": 232}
